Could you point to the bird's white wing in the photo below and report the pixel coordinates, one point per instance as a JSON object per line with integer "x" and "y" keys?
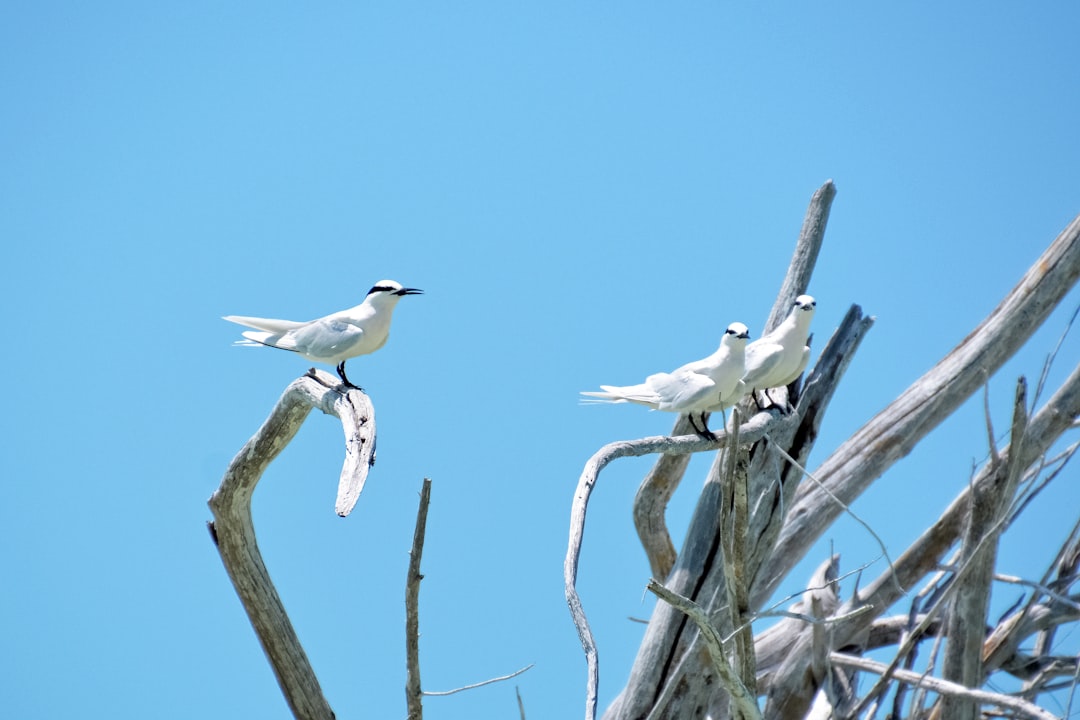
{"x": 325, "y": 339}
{"x": 762, "y": 360}
{"x": 267, "y": 324}
{"x": 683, "y": 392}
{"x": 804, "y": 360}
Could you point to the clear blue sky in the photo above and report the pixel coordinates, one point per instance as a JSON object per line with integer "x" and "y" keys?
{"x": 587, "y": 192}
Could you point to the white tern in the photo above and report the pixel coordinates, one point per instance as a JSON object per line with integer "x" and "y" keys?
{"x": 335, "y": 338}
{"x": 702, "y": 386}
{"x": 777, "y": 358}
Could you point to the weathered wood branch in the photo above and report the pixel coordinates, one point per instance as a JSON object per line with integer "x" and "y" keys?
{"x": 926, "y": 553}
{"x": 963, "y": 661}
{"x": 801, "y": 268}
{"x": 660, "y": 484}
{"x": 651, "y": 501}
{"x": 413, "y": 691}
{"x": 895, "y": 431}
{"x": 773, "y": 645}
{"x": 734, "y": 512}
{"x": 234, "y": 532}
{"x": 1021, "y": 707}
{"x": 590, "y": 474}
{"x": 742, "y": 697}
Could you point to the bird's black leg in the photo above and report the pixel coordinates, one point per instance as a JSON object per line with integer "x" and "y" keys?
{"x": 704, "y": 432}
{"x": 757, "y": 400}
{"x": 344, "y": 379}
{"x": 786, "y": 409}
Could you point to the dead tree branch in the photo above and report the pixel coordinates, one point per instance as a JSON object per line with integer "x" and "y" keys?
{"x": 925, "y": 555}
{"x": 630, "y": 448}
{"x": 742, "y": 698}
{"x": 234, "y": 532}
{"x": 734, "y": 512}
{"x": 413, "y": 692}
{"x": 963, "y": 661}
{"x": 945, "y": 688}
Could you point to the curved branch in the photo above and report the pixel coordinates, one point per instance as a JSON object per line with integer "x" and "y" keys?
{"x": 651, "y": 503}
{"x": 234, "y": 533}
{"x": 751, "y": 432}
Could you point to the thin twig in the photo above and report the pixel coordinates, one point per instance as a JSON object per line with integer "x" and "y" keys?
{"x": 413, "y": 692}
{"x": 846, "y": 509}
{"x": 482, "y": 683}
{"x": 1049, "y": 362}
{"x": 1044, "y": 589}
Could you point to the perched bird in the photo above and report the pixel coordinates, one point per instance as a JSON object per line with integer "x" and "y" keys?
{"x": 777, "y": 358}
{"x": 335, "y": 338}
{"x": 699, "y": 387}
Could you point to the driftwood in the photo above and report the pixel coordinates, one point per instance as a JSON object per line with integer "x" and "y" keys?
{"x": 234, "y": 533}
{"x": 731, "y": 561}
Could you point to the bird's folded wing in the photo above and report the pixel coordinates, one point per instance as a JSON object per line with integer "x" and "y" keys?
{"x": 267, "y": 324}
{"x": 762, "y": 360}
{"x": 326, "y": 338}
{"x": 683, "y": 391}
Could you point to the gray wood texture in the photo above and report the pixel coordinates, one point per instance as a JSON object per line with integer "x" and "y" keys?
{"x": 234, "y": 533}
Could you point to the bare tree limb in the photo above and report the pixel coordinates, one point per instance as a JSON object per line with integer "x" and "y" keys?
{"x": 741, "y": 697}
{"x": 963, "y": 661}
{"x": 924, "y": 554}
{"x": 893, "y": 432}
{"x": 234, "y": 532}
{"x": 944, "y": 687}
{"x": 589, "y": 476}
{"x": 735, "y": 510}
{"x": 413, "y": 691}
{"x": 651, "y": 503}
{"x": 801, "y": 268}
{"x": 774, "y": 644}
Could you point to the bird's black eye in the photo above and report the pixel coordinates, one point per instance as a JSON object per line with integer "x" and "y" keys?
{"x": 729, "y": 331}
{"x": 380, "y": 288}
